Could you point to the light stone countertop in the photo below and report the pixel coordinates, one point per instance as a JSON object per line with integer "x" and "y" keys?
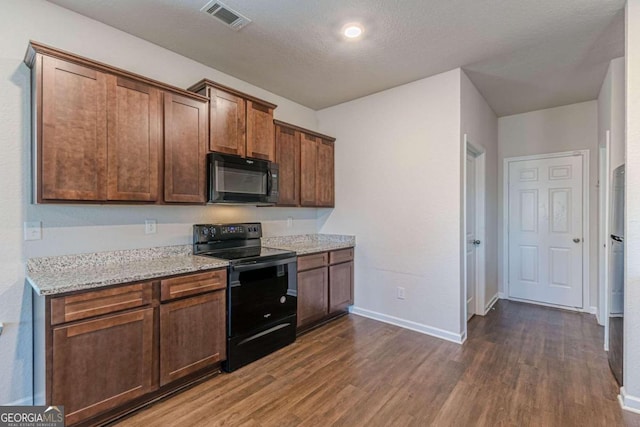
{"x": 306, "y": 244}
{"x": 69, "y": 273}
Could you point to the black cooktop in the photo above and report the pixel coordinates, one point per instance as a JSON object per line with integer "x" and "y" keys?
{"x": 247, "y": 253}
{"x": 239, "y": 243}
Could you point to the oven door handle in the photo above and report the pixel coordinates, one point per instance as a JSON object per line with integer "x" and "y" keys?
{"x": 258, "y": 265}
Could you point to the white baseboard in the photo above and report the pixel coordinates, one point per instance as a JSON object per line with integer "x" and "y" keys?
{"x": 491, "y": 303}
{"x": 629, "y": 403}
{"x": 408, "y": 324}
{"x": 502, "y": 295}
{"x": 25, "y": 401}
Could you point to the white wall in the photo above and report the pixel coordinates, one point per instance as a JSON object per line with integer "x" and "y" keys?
{"x": 398, "y": 189}
{"x": 480, "y": 124}
{"x": 631, "y": 389}
{"x": 73, "y": 229}
{"x": 566, "y": 128}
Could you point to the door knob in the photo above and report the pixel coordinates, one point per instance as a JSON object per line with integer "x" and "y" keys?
{"x": 476, "y": 242}
{"x": 576, "y": 240}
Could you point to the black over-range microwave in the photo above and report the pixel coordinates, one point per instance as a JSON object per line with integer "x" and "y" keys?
{"x": 236, "y": 180}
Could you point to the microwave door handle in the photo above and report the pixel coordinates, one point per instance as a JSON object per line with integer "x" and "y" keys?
{"x": 269, "y": 181}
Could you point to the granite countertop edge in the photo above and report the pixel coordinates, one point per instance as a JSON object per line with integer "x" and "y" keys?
{"x": 74, "y": 280}
{"x": 50, "y": 276}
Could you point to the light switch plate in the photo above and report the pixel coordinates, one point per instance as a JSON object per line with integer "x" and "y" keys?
{"x": 33, "y": 230}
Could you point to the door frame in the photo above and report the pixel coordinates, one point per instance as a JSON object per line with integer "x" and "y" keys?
{"x": 479, "y": 153}
{"x": 604, "y": 203}
{"x": 585, "y": 225}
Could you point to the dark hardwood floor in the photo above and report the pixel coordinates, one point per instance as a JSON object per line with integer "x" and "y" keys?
{"x": 523, "y": 365}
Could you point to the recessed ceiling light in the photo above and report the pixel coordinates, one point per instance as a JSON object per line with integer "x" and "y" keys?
{"x": 352, "y": 31}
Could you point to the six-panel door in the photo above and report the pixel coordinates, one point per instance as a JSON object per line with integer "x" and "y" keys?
{"x": 546, "y": 230}
{"x": 103, "y": 363}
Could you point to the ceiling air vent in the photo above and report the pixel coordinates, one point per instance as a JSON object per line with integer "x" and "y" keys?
{"x": 223, "y": 13}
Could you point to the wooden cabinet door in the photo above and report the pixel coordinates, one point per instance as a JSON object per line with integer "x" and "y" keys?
{"x": 340, "y": 286}
{"x": 185, "y": 146}
{"x": 72, "y": 149}
{"x": 313, "y": 287}
{"x": 227, "y": 122}
{"x": 260, "y": 133}
{"x": 103, "y": 363}
{"x": 134, "y": 138}
{"x": 192, "y": 335}
{"x": 324, "y": 174}
{"x": 308, "y": 159}
{"x": 288, "y": 160}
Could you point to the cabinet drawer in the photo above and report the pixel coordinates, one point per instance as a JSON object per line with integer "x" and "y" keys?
{"x": 342, "y": 255}
{"x": 193, "y": 284}
{"x": 309, "y": 262}
{"x": 96, "y": 303}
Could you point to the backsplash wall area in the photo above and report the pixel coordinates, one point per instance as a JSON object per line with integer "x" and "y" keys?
{"x": 80, "y": 229}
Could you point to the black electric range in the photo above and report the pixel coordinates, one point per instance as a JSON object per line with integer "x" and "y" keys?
{"x": 262, "y": 290}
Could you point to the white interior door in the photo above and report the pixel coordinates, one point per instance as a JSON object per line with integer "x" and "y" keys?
{"x": 471, "y": 235}
{"x": 545, "y": 230}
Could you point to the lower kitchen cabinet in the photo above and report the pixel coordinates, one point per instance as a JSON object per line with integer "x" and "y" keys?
{"x": 103, "y": 363}
{"x": 325, "y": 286}
{"x": 101, "y": 353}
{"x": 313, "y": 288}
{"x": 341, "y": 286}
{"x": 191, "y": 335}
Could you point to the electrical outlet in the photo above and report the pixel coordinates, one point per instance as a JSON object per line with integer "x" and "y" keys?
{"x": 400, "y": 292}
{"x": 33, "y": 230}
{"x": 289, "y": 222}
{"x": 150, "y": 226}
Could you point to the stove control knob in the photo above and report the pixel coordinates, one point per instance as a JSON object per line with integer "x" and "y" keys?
{"x": 205, "y": 231}
{"x": 213, "y": 231}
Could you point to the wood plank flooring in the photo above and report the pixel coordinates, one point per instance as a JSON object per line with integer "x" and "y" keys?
{"x": 523, "y": 365}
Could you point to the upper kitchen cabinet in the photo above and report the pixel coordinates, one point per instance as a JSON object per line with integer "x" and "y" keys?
{"x": 98, "y": 133}
{"x": 240, "y": 124}
{"x": 71, "y": 131}
{"x": 324, "y": 173}
{"x": 288, "y": 160}
{"x": 134, "y": 136}
{"x": 306, "y": 161}
{"x": 185, "y": 149}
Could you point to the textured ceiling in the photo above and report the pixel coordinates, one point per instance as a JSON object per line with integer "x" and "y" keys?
{"x": 521, "y": 54}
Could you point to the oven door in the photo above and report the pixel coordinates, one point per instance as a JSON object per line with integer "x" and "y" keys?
{"x": 237, "y": 180}
{"x": 260, "y": 294}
